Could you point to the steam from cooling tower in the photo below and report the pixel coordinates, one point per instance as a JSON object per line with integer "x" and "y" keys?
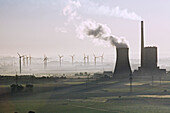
{"x": 105, "y": 10}
{"x": 75, "y": 11}
{"x": 75, "y": 8}
{"x": 98, "y": 31}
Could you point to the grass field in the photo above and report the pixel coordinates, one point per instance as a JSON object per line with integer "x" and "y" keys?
{"x": 135, "y": 105}
{"x": 75, "y": 96}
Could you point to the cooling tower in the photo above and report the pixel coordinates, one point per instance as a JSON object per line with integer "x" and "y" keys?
{"x": 122, "y": 67}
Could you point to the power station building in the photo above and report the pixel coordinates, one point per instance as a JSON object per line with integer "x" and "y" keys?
{"x": 149, "y": 59}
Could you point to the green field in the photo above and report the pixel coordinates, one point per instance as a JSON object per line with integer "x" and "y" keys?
{"x": 58, "y": 106}
{"x": 102, "y": 96}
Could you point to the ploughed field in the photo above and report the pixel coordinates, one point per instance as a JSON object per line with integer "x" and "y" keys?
{"x": 89, "y": 96}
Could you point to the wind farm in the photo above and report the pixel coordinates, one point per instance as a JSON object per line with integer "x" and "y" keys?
{"x": 87, "y": 56}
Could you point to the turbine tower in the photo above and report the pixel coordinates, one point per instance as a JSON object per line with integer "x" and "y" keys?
{"x": 30, "y": 59}
{"x": 88, "y": 59}
{"x": 19, "y": 62}
{"x": 95, "y": 59}
{"x": 72, "y": 57}
{"x": 23, "y": 60}
{"x": 27, "y": 59}
{"x": 60, "y": 58}
{"x": 102, "y": 57}
{"x": 45, "y": 61}
{"x": 84, "y": 58}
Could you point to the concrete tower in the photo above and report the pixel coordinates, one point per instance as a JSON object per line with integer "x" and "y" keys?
{"x": 142, "y": 44}
{"x": 122, "y": 68}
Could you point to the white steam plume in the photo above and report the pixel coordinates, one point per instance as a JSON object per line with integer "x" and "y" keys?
{"x": 89, "y": 7}
{"x": 74, "y": 7}
{"x": 99, "y": 31}
{"x": 94, "y": 8}
{"x": 70, "y": 10}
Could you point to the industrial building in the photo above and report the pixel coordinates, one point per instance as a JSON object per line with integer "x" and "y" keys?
{"x": 149, "y": 59}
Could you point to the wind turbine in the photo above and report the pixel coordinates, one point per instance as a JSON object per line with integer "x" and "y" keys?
{"x": 30, "y": 59}
{"x": 88, "y": 59}
{"x": 19, "y": 62}
{"x": 27, "y": 59}
{"x": 72, "y": 57}
{"x": 60, "y": 58}
{"x": 85, "y": 58}
{"x": 23, "y": 60}
{"x": 95, "y": 59}
{"x": 45, "y": 61}
{"x": 102, "y": 57}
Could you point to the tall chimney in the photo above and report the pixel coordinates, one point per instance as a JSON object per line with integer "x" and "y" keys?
{"x": 122, "y": 68}
{"x": 142, "y": 44}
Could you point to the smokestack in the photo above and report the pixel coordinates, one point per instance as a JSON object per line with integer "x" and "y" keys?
{"x": 122, "y": 68}
{"x": 142, "y": 44}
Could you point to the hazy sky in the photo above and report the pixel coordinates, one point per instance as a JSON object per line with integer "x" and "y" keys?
{"x": 48, "y": 27}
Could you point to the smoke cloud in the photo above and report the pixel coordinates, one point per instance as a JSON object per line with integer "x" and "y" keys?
{"x": 90, "y": 7}
{"x": 70, "y": 10}
{"x": 98, "y": 31}
{"x": 94, "y": 8}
